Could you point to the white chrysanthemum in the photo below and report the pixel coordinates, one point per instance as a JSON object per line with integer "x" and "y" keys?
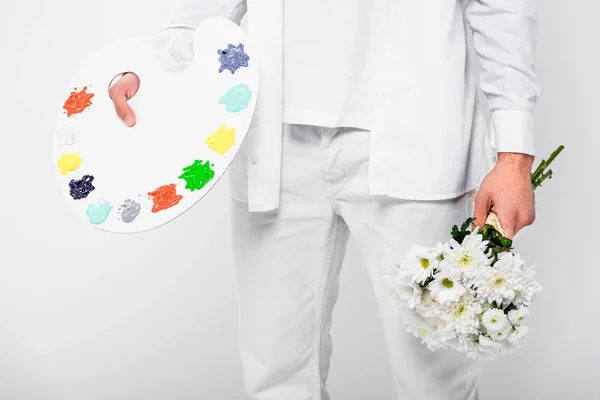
{"x": 527, "y": 287}
{"x": 445, "y": 288}
{"x": 428, "y": 301}
{"x": 517, "y": 261}
{"x": 443, "y": 251}
{"x": 516, "y": 338}
{"x": 461, "y": 315}
{"x": 484, "y": 305}
{"x": 494, "y": 320}
{"x": 502, "y": 334}
{"x": 461, "y": 308}
{"x": 463, "y": 344}
{"x": 486, "y": 349}
{"x": 468, "y": 257}
{"x": 487, "y": 343}
{"x": 430, "y": 334}
{"x": 403, "y": 291}
{"x": 518, "y": 316}
{"x": 497, "y": 284}
{"x": 429, "y": 308}
{"x": 421, "y": 261}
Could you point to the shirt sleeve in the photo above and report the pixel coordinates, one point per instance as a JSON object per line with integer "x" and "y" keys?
{"x": 504, "y": 38}
{"x": 173, "y": 36}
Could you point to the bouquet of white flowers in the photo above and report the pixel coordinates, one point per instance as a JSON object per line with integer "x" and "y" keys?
{"x": 470, "y": 294}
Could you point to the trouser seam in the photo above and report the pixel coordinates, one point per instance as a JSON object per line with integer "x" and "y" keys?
{"x": 320, "y": 305}
{"x": 343, "y": 135}
{"x": 330, "y": 189}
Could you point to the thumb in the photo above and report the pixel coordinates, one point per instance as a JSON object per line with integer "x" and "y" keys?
{"x": 483, "y": 202}
{"x": 120, "y": 92}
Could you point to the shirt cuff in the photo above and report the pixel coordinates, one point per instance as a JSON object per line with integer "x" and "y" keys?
{"x": 513, "y": 131}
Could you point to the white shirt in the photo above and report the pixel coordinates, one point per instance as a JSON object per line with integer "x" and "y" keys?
{"x": 329, "y": 52}
{"x": 428, "y": 136}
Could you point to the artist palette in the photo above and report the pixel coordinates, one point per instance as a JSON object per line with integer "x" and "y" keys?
{"x": 189, "y": 127}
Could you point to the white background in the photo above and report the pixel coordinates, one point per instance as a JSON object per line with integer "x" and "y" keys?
{"x": 90, "y": 315}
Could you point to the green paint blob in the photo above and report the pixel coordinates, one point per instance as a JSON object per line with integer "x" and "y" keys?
{"x": 197, "y": 175}
{"x": 97, "y": 213}
{"x": 237, "y": 98}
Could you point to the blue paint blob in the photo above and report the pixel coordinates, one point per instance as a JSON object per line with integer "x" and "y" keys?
{"x": 237, "y": 98}
{"x": 80, "y": 188}
{"x": 97, "y": 213}
{"x": 232, "y": 58}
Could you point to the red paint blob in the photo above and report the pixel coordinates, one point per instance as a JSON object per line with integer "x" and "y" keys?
{"x": 78, "y": 101}
{"x": 165, "y": 197}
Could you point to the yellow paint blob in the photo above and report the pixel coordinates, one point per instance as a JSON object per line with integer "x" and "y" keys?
{"x": 69, "y": 162}
{"x": 221, "y": 140}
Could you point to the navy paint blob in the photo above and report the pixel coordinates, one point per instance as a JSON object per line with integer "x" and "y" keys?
{"x": 80, "y": 188}
{"x": 232, "y": 58}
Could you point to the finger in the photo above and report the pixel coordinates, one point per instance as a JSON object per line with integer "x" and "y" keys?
{"x": 483, "y": 201}
{"x": 508, "y": 221}
{"x": 123, "y": 90}
{"x": 124, "y": 111}
{"x": 523, "y": 221}
{"x": 131, "y": 84}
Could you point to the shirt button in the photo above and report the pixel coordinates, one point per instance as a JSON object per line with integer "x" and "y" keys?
{"x": 255, "y": 160}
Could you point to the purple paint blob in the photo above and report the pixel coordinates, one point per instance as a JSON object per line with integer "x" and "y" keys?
{"x": 232, "y": 58}
{"x": 80, "y": 188}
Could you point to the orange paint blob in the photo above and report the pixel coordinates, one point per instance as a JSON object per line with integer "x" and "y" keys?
{"x": 164, "y": 197}
{"x": 78, "y": 101}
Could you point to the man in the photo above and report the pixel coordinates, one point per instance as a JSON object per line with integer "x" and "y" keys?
{"x": 367, "y": 122}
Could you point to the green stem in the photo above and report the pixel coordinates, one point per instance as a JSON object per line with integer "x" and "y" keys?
{"x": 536, "y": 180}
{"x": 537, "y": 171}
{"x": 548, "y": 175}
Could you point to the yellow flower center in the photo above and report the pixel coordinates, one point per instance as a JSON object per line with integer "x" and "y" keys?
{"x": 425, "y": 263}
{"x": 466, "y": 259}
{"x": 447, "y": 283}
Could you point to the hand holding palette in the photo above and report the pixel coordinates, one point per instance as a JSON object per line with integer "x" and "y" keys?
{"x": 189, "y": 127}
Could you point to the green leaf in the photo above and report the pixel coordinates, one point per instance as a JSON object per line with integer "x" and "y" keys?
{"x": 467, "y": 224}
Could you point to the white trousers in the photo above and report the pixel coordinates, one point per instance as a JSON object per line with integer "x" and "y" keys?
{"x": 288, "y": 260}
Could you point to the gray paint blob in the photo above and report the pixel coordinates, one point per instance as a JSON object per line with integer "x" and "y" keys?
{"x": 130, "y": 209}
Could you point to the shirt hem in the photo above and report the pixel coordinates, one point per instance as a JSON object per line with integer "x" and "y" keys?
{"x": 326, "y": 119}
{"x": 467, "y": 188}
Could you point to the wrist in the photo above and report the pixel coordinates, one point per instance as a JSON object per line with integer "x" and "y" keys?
{"x": 516, "y": 160}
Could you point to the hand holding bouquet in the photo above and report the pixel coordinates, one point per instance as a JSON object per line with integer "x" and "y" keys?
{"x": 470, "y": 294}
